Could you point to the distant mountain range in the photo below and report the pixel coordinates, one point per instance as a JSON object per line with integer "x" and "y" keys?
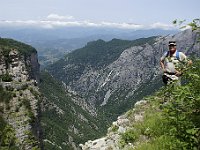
{"x": 31, "y": 35}
{"x": 52, "y": 44}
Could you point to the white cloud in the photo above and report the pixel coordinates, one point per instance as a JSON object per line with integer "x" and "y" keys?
{"x": 161, "y": 26}
{"x": 59, "y": 17}
{"x": 56, "y": 21}
{"x": 122, "y": 25}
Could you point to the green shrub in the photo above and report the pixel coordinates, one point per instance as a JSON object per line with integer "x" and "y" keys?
{"x": 31, "y": 116}
{"x": 129, "y": 136}
{"x": 17, "y": 109}
{"x": 34, "y": 92}
{"x": 1, "y": 109}
{"x": 7, "y": 136}
{"x": 5, "y": 96}
{"x": 26, "y": 104}
{"x": 24, "y": 87}
{"x": 14, "y": 94}
{"x": 182, "y": 111}
{"x": 32, "y": 140}
{"x": 114, "y": 128}
{"x": 163, "y": 142}
{"x": 6, "y": 77}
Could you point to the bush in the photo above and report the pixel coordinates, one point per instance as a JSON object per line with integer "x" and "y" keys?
{"x": 114, "y": 128}
{"x": 26, "y": 103}
{"x": 5, "y": 96}
{"x": 183, "y": 111}
{"x": 6, "y": 77}
{"x": 7, "y": 136}
{"x": 163, "y": 142}
{"x": 1, "y": 109}
{"x": 129, "y": 136}
{"x": 34, "y": 92}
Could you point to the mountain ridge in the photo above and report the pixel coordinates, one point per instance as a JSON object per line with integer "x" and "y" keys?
{"x": 19, "y": 102}
{"x": 53, "y": 44}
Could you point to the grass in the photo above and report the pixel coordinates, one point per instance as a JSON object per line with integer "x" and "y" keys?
{"x": 150, "y": 132}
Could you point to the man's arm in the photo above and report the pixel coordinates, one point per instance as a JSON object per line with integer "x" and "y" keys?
{"x": 189, "y": 62}
{"x": 162, "y": 61}
{"x": 162, "y": 65}
{"x": 185, "y": 60}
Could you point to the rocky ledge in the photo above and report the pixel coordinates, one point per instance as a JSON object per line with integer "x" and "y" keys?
{"x": 124, "y": 122}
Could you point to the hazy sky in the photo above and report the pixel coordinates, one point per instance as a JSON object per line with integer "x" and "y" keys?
{"x": 124, "y": 13}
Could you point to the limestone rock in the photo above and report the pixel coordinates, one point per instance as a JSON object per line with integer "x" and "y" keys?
{"x": 112, "y": 139}
{"x": 22, "y": 109}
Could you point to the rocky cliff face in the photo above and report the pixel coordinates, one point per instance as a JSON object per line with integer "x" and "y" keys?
{"x": 19, "y": 74}
{"x": 117, "y": 82}
{"x": 20, "y": 68}
{"x": 124, "y": 74}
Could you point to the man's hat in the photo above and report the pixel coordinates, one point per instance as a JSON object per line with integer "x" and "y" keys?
{"x": 172, "y": 43}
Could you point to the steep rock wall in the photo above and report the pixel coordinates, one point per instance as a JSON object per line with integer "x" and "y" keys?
{"x": 19, "y": 75}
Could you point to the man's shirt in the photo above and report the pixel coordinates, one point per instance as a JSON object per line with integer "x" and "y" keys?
{"x": 172, "y": 63}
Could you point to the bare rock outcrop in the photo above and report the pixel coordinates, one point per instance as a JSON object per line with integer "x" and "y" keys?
{"x": 19, "y": 74}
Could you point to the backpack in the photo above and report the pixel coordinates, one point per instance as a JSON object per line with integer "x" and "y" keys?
{"x": 177, "y": 55}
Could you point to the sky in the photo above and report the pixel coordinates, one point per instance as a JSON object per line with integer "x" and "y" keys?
{"x": 131, "y": 14}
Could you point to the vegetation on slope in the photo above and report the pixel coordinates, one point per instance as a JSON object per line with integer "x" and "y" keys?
{"x": 96, "y": 54}
{"x": 114, "y": 109}
{"x": 171, "y": 120}
{"x": 6, "y": 45}
{"x": 7, "y": 133}
{"x": 5, "y": 95}
{"x": 59, "y": 127}
{"x": 7, "y": 136}
{"x": 100, "y": 53}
